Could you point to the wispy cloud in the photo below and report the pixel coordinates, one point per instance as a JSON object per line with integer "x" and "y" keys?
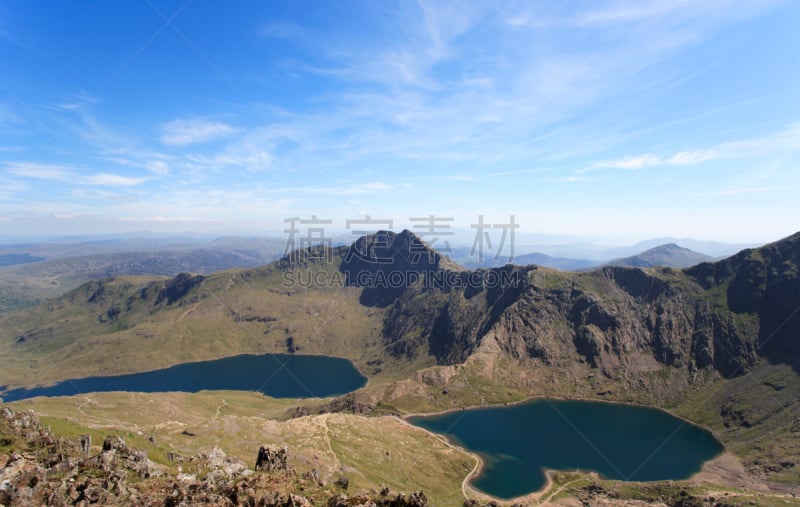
{"x": 243, "y": 155}
{"x": 635, "y": 162}
{"x": 72, "y": 175}
{"x": 158, "y": 167}
{"x": 38, "y": 171}
{"x": 113, "y": 180}
{"x": 340, "y": 189}
{"x": 65, "y": 216}
{"x": 182, "y": 132}
{"x": 782, "y": 142}
{"x": 507, "y": 89}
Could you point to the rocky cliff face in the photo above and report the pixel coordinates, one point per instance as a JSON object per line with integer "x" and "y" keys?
{"x": 721, "y": 315}
{"x": 765, "y": 283}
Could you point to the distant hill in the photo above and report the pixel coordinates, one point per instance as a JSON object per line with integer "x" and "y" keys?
{"x": 716, "y": 249}
{"x": 666, "y": 256}
{"x": 24, "y": 285}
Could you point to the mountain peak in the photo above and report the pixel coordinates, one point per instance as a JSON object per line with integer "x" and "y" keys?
{"x": 386, "y": 263}
{"x": 666, "y": 255}
{"x": 404, "y": 250}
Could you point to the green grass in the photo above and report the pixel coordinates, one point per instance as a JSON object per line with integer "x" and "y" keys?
{"x": 65, "y": 338}
{"x": 370, "y": 452}
{"x": 774, "y": 437}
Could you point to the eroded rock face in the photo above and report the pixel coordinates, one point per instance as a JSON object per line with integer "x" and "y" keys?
{"x": 177, "y": 288}
{"x": 721, "y": 316}
{"x": 358, "y": 402}
{"x": 271, "y": 460}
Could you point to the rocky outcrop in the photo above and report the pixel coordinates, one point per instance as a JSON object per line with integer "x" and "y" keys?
{"x": 177, "y": 288}
{"x": 39, "y": 468}
{"x": 271, "y": 460}
{"x": 382, "y": 499}
{"x": 356, "y": 403}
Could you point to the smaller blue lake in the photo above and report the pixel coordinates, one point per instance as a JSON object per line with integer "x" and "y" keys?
{"x": 518, "y": 443}
{"x": 276, "y": 375}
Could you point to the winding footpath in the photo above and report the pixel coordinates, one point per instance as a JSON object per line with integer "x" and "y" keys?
{"x": 464, "y": 483}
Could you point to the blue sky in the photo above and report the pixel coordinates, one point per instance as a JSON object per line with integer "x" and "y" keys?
{"x": 619, "y": 119}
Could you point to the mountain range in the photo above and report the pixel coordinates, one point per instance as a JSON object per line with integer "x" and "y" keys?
{"x": 716, "y": 343}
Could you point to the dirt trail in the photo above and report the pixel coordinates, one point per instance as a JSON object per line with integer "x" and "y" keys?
{"x": 464, "y": 483}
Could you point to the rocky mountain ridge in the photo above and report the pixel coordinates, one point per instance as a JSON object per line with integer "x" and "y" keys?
{"x": 681, "y": 318}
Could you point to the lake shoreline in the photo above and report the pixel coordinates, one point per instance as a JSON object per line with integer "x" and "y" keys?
{"x": 560, "y": 398}
{"x": 549, "y": 473}
{"x": 284, "y": 376}
{"x": 480, "y": 465}
{"x": 367, "y": 379}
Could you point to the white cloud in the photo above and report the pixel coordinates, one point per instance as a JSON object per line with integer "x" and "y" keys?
{"x": 783, "y": 142}
{"x": 69, "y": 174}
{"x": 182, "y": 132}
{"x": 38, "y": 171}
{"x": 692, "y": 157}
{"x": 635, "y": 162}
{"x": 113, "y": 180}
{"x": 158, "y": 167}
{"x": 339, "y": 189}
{"x": 246, "y": 157}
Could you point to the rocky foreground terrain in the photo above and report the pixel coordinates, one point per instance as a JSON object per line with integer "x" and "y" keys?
{"x": 40, "y": 468}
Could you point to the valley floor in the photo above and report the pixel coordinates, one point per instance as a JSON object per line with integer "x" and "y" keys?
{"x": 371, "y": 452}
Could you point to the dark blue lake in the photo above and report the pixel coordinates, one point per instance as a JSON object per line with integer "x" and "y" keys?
{"x": 276, "y": 375}
{"x": 517, "y": 443}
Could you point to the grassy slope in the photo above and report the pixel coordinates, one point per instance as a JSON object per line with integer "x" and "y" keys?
{"x": 368, "y": 451}
{"x": 761, "y": 422}
{"x": 230, "y": 312}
